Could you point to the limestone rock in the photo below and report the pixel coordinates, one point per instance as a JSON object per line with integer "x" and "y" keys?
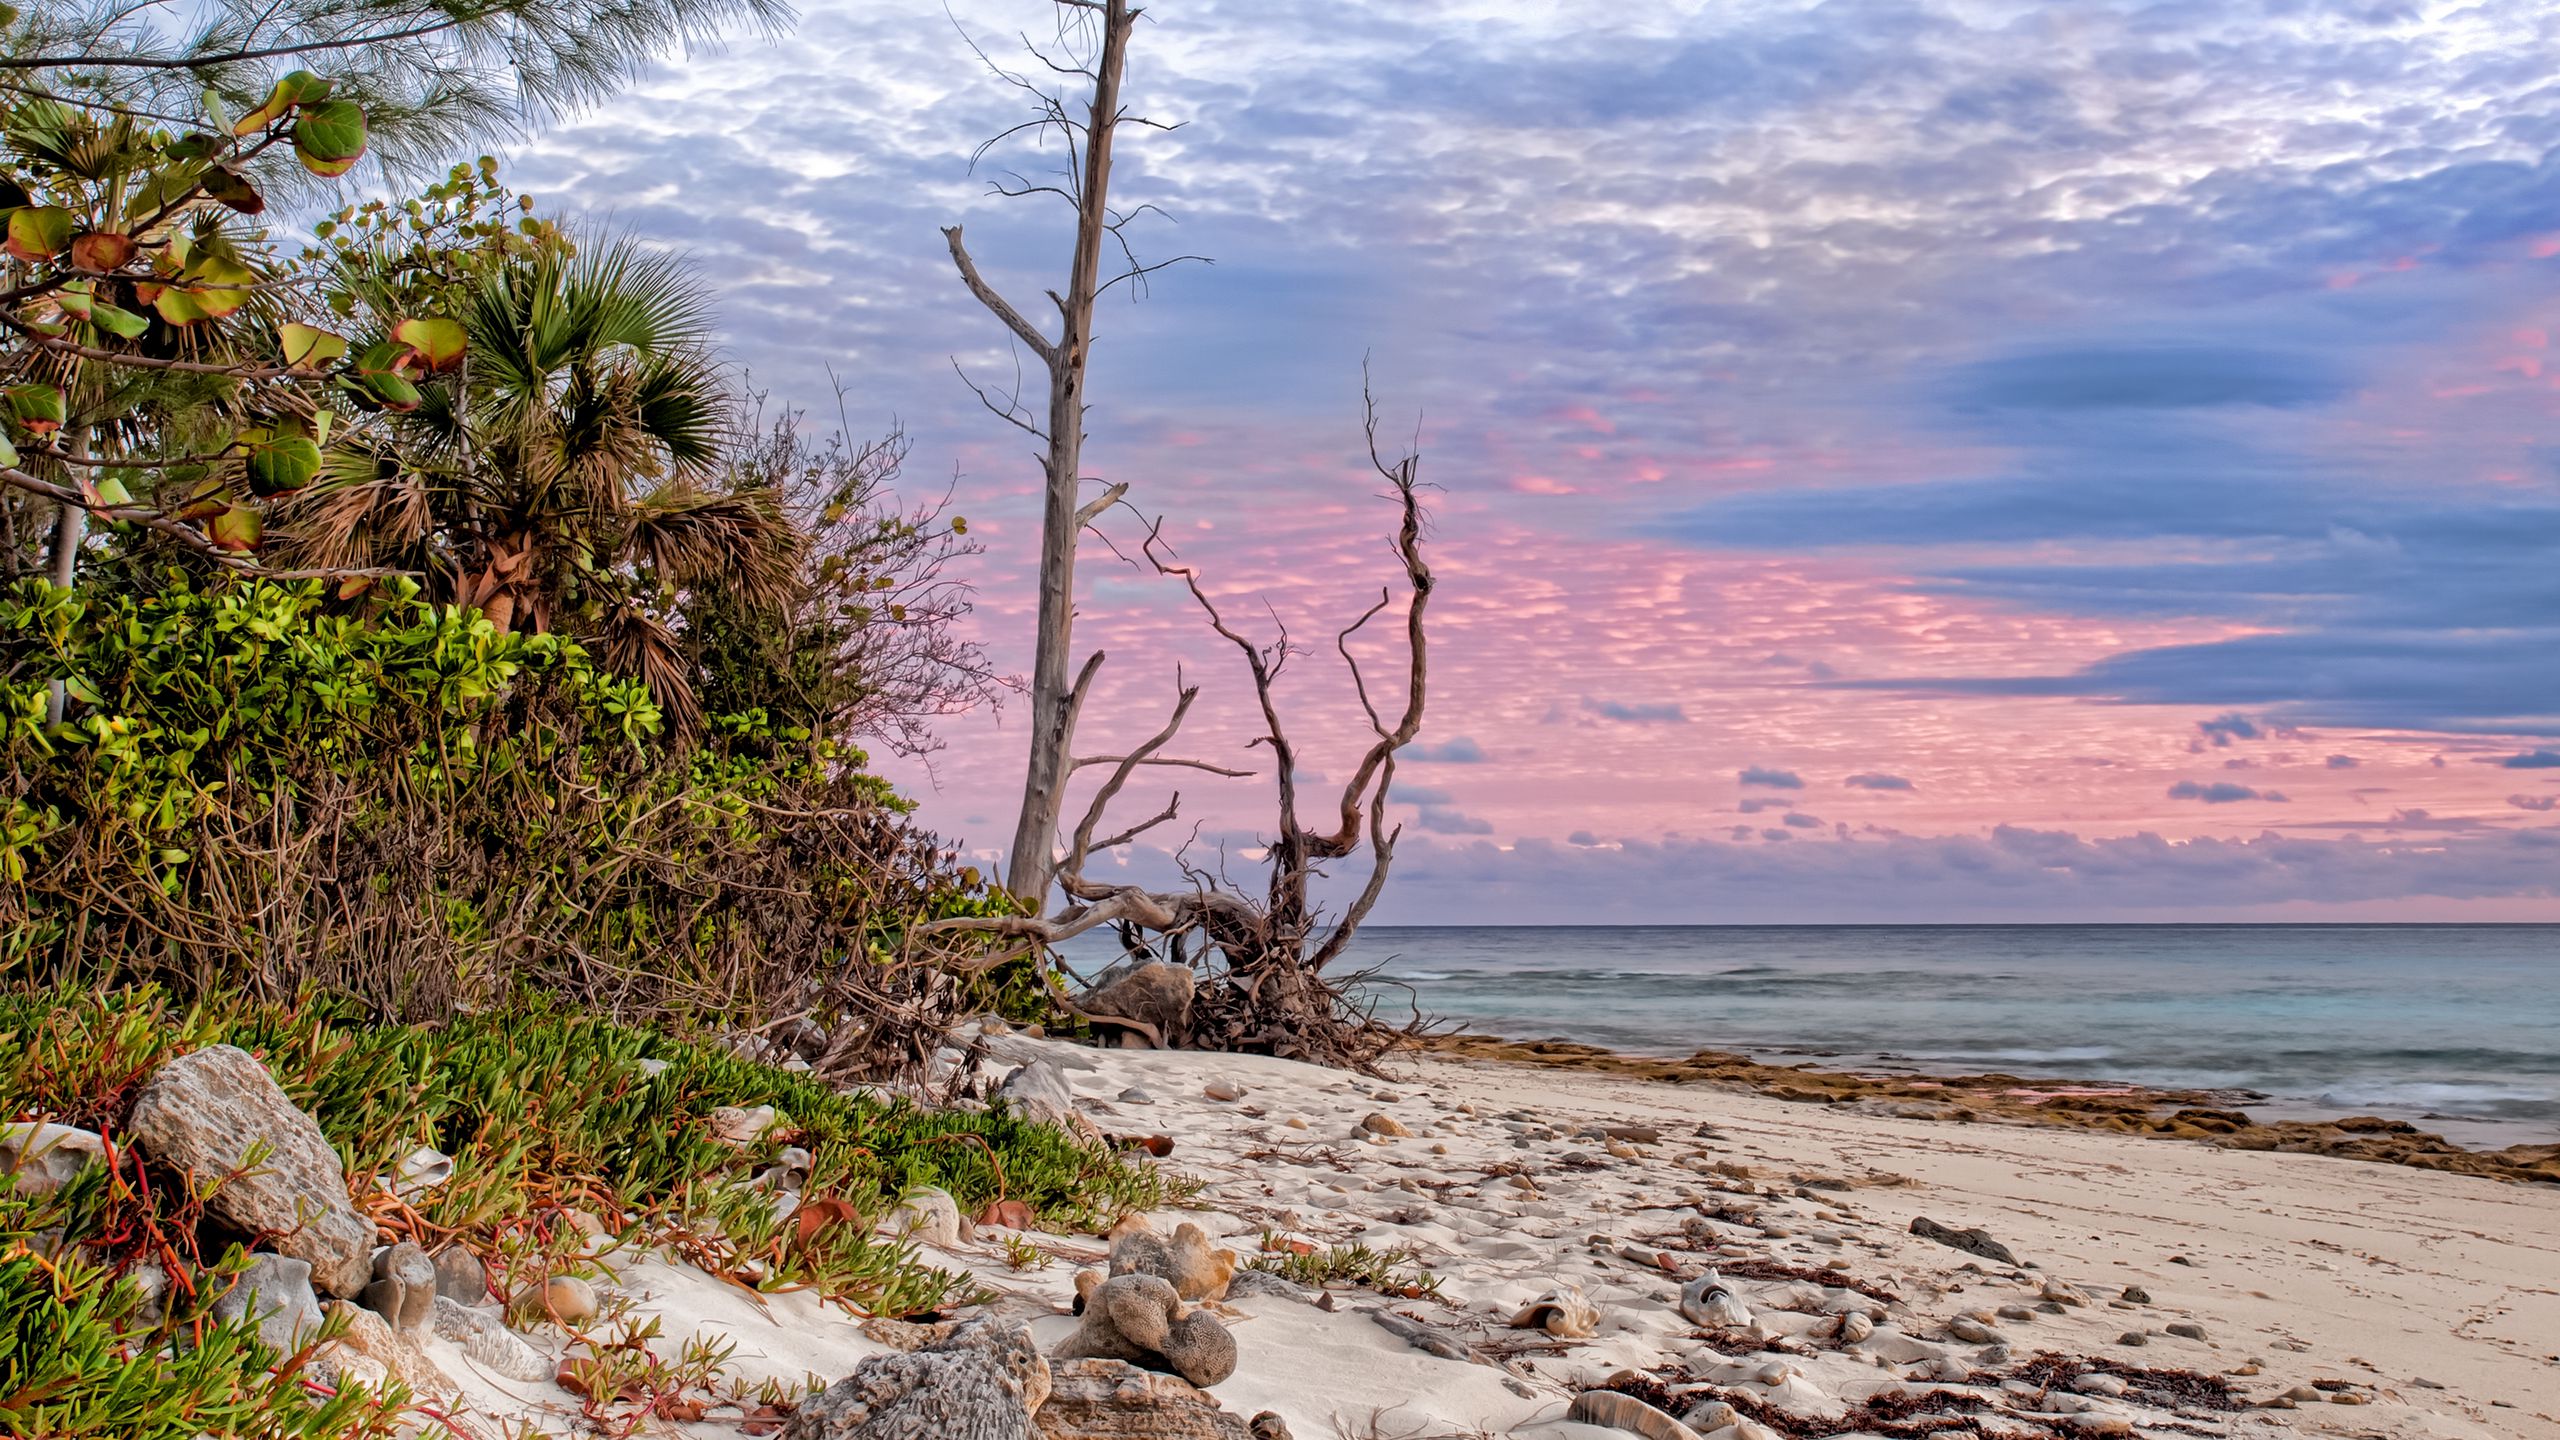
{"x": 982, "y": 1382}
{"x": 927, "y": 1215}
{"x": 274, "y": 1293}
{"x": 1101, "y": 1399}
{"x": 1269, "y": 1426}
{"x": 905, "y": 1335}
{"x": 1975, "y": 1241}
{"x": 461, "y": 1277}
{"x": 1157, "y": 995}
{"x": 403, "y": 1290}
{"x": 42, "y": 1158}
{"x": 1972, "y": 1331}
{"x": 1708, "y": 1301}
{"x": 369, "y": 1335}
{"x": 1249, "y": 1282}
{"x": 1626, "y": 1412}
{"x": 1139, "y": 1318}
{"x": 1196, "y": 1268}
{"x": 488, "y": 1342}
{"x": 1709, "y": 1415}
{"x": 1040, "y": 1092}
{"x": 203, "y": 1111}
{"x": 1562, "y": 1312}
{"x": 1384, "y": 1124}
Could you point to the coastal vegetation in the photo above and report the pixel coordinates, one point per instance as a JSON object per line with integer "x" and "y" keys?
{"x": 427, "y": 670}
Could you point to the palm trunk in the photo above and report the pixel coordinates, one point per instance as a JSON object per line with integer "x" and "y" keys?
{"x": 70, "y": 528}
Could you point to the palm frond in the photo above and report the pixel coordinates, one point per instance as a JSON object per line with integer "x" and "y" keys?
{"x": 632, "y": 641}
{"x": 739, "y": 541}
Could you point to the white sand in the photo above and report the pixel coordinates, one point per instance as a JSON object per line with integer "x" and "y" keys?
{"x": 2436, "y": 1298}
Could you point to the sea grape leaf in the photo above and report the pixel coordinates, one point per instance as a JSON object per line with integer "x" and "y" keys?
{"x": 329, "y": 137}
{"x": 236, "y": 529}
{"x": 119, "y": 322}
{"x": 37, "y": 407}
{"x": 283, "y": 465}
{"x": 38, "y": 232}
{"x": 102, "y": 250}
{"x": 232, "y": 189}
{"x": 308, "y": 347}
{"x": 437, "y": 342}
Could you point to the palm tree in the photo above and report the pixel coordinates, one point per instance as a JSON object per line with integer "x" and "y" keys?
{"x": 567, "y": 476}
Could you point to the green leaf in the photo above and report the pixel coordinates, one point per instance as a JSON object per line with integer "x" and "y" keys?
{"x": 232, "y": 189}
{"x": 329, "y": 138}
{"x": 209, "y": 289}
{"x": 8, "y": 453}
{"x": 176, "y": 306}
{"x": 308, "y": 347}
{"x": 39, "y": 232}
{"x": 112, "y": 491}
{"x": 37, "y": 407}
{"x": 439, "y": 343}
{"x": 298, "y": 88}
{"x": 283, "y": 465}
{"x": 123, "y": 324}
{"x": 236, "y": 529}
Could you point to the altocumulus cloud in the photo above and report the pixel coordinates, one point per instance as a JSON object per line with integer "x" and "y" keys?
{"x": 1876, "y": 780}
{"x": 1458, "y": 751}
{"x": 2221, "y": 792}
{"x": 2010, "y": 870}
{"x": 1888, "y": 877}
{"x": 1650, "y": 713}
{"x": 1773, "y": 779}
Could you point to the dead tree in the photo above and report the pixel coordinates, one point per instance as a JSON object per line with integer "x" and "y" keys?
{"x": 1056, "y": 696}
{"x": 1266, "y": 982}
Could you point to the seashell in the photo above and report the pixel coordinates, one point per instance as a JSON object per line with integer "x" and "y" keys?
{"x": 1706, "y": 1301}
{"x": 1561, "y": 1312}
{"x": 1626, "y": 1412}
{"x": 424, "y": 1170}
{"x": 1855, "y": 1326}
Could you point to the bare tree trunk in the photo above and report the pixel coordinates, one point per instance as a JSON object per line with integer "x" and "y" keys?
{"x": 1056, "y": 690}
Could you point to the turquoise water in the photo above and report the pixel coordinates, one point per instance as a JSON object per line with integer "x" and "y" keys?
{"x": 2455, "y": 1024}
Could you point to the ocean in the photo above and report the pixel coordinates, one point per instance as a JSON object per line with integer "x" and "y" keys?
{"x": 2456, "y": 1026}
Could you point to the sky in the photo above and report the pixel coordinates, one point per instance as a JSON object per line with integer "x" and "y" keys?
{"x": 1895, "y": 459}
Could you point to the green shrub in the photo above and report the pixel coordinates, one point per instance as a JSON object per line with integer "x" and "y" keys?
{"x": 256, "y": 786}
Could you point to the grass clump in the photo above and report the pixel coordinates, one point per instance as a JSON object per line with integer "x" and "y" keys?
{"x": 86, "y": 1351}
{"x": 1395, "y": 1271}
{"x": 559, "y": 1125}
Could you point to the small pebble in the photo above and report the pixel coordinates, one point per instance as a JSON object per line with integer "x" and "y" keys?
{"x": 1223, "y": 1088}
{"x": 2187, "y": 1330}
{"x": 1135, "y": 1096}
{"x": 2133, "y": 1337}
{"x": 2137, "y": 1295}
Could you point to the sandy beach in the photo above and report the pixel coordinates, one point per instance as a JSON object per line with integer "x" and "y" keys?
{"x": 2330, "y": 1296}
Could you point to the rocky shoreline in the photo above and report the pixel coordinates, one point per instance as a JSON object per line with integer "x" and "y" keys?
{"x": 2207, "y": 1116}
{"x": 1563, "y": 1250}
